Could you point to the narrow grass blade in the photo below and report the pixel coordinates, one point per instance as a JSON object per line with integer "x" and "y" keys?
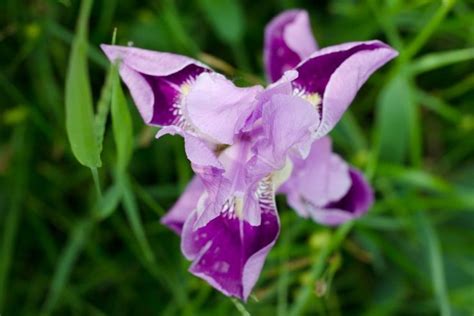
{"x": 133, "y": 216}
{"x": 13, "y": 216}
{"x": 437, "y": 60}
{"x": 79, "y": 110}
{"x": 71, "y": 252}
{"x": 439, "y": 106}
{"x": 435, "y": 258}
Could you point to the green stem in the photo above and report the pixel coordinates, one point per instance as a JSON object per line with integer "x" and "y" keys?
{"x": 305, "y": 293}
{"x": 426, "y": 32}
{"x": 95, "y": 176}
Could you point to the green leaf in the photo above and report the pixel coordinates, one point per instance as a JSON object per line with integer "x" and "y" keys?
{"x": 79, "y": 110}
{"x": 226, "y": 18}
{"x": 103, "y": 106}
{"x": 122, "y": 125}
{"x": 395, "y": 117}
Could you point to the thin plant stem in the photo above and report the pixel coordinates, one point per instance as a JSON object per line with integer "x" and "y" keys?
{"x": 95, "y": 176}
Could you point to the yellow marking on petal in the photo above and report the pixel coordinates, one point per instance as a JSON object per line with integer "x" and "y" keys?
{"x": 313, "y": 98}
{"x": 280, "y": 176}
{"x": 239, "y": 207}
{"x": 185, "y": 87}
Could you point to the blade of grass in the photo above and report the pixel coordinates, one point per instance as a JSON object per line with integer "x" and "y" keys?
{"x": 427, "y": 31}
{"x": 19, "y": 187}
{"x": 70, "y": 253}
{"x": 437, "y": 60}
{"x": 435, "y": 258}
{"x": 133, "y": 216}
{"x": 439, "y": 106}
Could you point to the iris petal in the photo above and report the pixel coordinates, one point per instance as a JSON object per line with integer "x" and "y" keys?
{"x": 228, "y": 252}
{"x": 288, "y": 40}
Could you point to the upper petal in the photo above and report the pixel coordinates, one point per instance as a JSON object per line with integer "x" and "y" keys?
{"x": 288, "y": 40}
{"x": 217, "y": 108}
{"x": 157, "y": 81}
{"x": 287, "y": 124}
{"x": 331, "y": 77}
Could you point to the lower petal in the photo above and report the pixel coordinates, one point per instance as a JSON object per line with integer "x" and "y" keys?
{"x": 228, "y": 252}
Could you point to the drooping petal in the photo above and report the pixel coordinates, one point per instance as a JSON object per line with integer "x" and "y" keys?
{"x": 331, "y": 77}
{"x": 217, "y": 108}
{"x": 157, "y": 81}
{"x": 355, "y": 203}
{"x": 186, "y": 204}
{"x": 228, "y": 252}
{"x": 197, "y": 150}
{"x": 324, "y": 187}
{"x": 288, "y": 40}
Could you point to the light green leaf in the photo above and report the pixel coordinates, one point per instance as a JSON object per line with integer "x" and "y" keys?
{"x": 79, "y": 110}
{"x": 103, "y": 107}
{"x": 395, "y": 115}
{"x": 122, "y": 125}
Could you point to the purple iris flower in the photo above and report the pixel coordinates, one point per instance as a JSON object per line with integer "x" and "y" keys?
{"x": 243, "y": 142}
{"x": 321, "y": 186}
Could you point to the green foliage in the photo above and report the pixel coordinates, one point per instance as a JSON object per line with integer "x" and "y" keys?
{"x": 64, "y": 249}
{"x": 79, "y": 111}
{"x": 122, "y": 124}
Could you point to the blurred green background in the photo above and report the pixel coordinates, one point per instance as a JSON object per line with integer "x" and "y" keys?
{"x": 65, "y": 251}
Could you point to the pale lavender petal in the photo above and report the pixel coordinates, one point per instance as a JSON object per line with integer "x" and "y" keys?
{"x": 217, "y": 108}
{"x": 321, "y": 178}
{"x": 324, "y": 187}
{"x": 288, "y": 40}
{"x": 186, "y": 204}
{"x": 157, "y": 81}
{"x": 354, "y": 204}
{"x": 197, "y": 150}
{"x": 229, "y": 253}
{"x": 331, "y": 77}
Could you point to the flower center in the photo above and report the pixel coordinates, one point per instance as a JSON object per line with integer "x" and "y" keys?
{"x": 313, "y": 98}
